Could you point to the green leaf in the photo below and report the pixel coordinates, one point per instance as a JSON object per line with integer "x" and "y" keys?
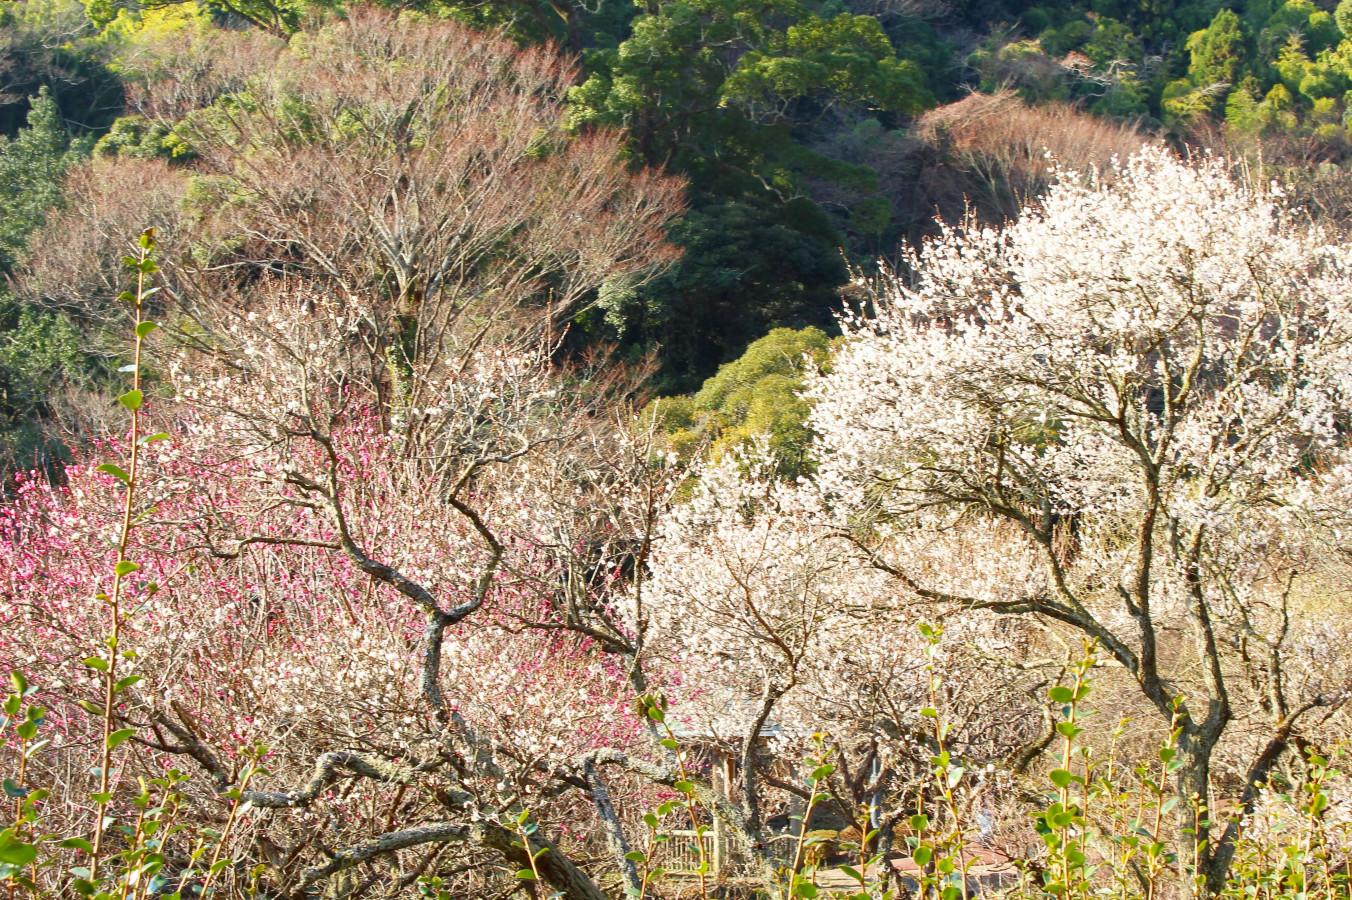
{"x": 821, "y": 772}
{"x": 124, "y": 683}
{"x": 1068, "y": 729}
{"x": 12, "y": 788}
{"x": 76, "y": 843}
{"x": 116, "y": 471}
{"x": 117, "y": 738}
{"x": 636, "y": 856}
{"x": 125, "y": 567}
{"x": 685, "y": 787}
{"x": 525, "y": 875}
{"x": 98, "y": 664}
{"x": 1061, "y": 777}
{"x": 157, "y": 436}
{"x": 922, "y": 855}
{"x": 670, "y": 744}
{"x": 18, "y": 682}
{"x": 145, "y": 328}
{"x": 1061, "y": 694}
{"x": 14, "y": 851}
{"x": 805, "y": 889}
{"x": 853, "y": 873}
{"x": 132, "y": 400}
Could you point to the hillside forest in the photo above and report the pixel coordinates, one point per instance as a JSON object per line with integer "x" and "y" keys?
{"x": 587, "y": 449}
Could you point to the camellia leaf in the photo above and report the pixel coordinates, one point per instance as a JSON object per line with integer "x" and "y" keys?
{"x": 14, "y": 851}
{"x": 116, "y": 471}
{"x": 119, "y": 737}
{"x": 1061, "y": 777}
{"x": 132, "y": 400}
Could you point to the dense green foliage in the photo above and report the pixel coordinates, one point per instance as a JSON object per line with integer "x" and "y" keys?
{"x": 1259, "y": 67}
{"x": 31, "y": 167}
{"x": 39, "y": 350}
{"x": 755, "y": 395}
{"x": 735, "y": 94}
{"x": 794, "y": 123}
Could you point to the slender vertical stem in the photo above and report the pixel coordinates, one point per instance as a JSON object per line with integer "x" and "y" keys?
{"x": 802, "y": 837}
{"x": 213, "y": 869}
{"x": 114, "y": 596}
{"x": 694, "y": 818}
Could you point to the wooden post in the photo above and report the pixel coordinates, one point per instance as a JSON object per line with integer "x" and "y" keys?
{"x": 718, "y": 824}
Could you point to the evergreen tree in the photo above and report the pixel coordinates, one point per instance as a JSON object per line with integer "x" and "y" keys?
{"x": 39, "y": 350}
{"x": 31, "y": 167}
{"x": 1217, "y": 52}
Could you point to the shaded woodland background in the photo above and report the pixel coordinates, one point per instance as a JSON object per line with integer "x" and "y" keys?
{"x": 813, "y": 137}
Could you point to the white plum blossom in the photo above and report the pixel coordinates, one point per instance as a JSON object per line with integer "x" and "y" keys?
{"x": 1127, "y": 412}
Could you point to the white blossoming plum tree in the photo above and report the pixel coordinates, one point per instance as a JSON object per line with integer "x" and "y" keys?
{"x": 1125, "y": 413}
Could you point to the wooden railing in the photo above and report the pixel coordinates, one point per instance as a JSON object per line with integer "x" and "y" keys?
{"x": 679, "y": 855}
